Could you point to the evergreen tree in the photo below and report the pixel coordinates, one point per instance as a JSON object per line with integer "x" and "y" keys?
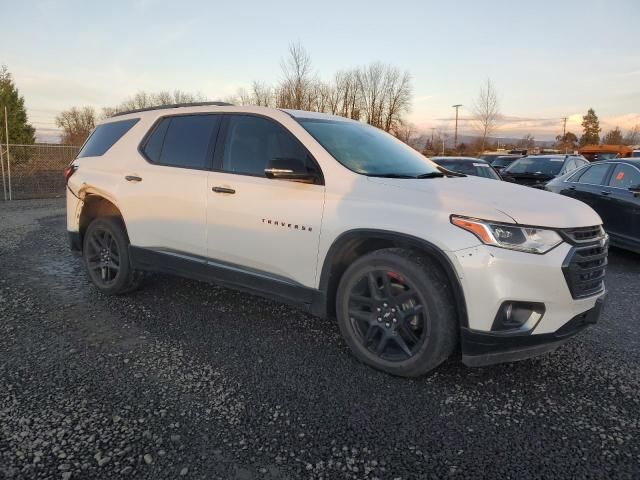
{"x": 591, "y": 129}
{"x": 20, "y": 131}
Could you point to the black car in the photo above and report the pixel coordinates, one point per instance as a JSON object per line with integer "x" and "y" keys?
{"x": 468, "y": 166}
{"x": 611, "y": 188}
{"x": 536, "y": 170}
{"x": 502, "y": 162}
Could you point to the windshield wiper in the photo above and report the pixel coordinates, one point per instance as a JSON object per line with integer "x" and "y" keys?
{"x": 431, "y": 175}
{"x": 389, "y": 175}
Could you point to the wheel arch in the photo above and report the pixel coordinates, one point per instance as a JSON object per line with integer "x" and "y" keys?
{"x": 354, "y": 243}
{"x": 94, "y": 206}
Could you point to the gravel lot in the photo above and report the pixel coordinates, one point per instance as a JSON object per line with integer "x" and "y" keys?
{"x": 187, "y": 380}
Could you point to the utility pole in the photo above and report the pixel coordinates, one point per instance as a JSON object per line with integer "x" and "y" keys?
{"x": 455, "y": 136}
{"x": 564, "y": 133}
{"x": 432, "y": 129}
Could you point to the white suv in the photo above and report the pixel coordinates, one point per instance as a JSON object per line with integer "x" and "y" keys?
{"x": 342, "y": 219}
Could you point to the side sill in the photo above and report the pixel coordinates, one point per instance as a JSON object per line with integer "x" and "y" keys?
{"x": 231, "y": 276}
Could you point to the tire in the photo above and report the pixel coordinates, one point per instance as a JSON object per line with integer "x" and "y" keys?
{"x": 399, "y": 300}
{"x": 105, "y": 253}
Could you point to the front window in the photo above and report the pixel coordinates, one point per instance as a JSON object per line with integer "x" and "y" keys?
{"x": 367, "y": 150}
{"x": 537, "y": 165}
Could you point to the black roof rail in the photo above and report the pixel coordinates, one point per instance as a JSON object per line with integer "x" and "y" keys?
{"x": 174, "y": 105}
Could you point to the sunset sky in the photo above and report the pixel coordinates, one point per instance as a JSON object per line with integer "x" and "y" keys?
{"x": 548, "y": 59}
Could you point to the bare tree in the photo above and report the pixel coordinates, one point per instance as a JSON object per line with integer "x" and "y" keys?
{"x": 486, "y": 111}
{"x": 632, "y": 137}
{"x": 262, "y": 94}
{"x": 397, "y": 98}
{"x": 145, "y": 99}
{"x": 371, "y": 85}
{"x": 295, "y": 90}
{"x": 76, "y": 124}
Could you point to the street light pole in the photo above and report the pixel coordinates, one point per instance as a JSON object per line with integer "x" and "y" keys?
{"x": 455, "y": 136}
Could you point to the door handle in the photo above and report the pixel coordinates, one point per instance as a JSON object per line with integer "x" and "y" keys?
{"x": 133, "y": 178}
{"x": 223, "y": 190}
{"x": 604, "y": 192}
{"x": 572, "y": 188}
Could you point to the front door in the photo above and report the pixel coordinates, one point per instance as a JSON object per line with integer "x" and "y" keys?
{"x": 268, "y": 227}
{"x": 624, "y": 214}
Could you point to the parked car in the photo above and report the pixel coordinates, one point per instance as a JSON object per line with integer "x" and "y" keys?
{"x": 342, "y": 219}
{"x": 611, "y": 188}
{"x": 502, "y": 162}
{"x": 468, "y": 166}
{"x": 635, "y": 154}
{"x": 535, "y": 171}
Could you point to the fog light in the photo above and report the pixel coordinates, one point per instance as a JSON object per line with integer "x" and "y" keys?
{"x": 517, "y": 316}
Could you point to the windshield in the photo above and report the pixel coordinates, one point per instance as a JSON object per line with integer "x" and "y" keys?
{"x": 367, "y": 150}
{"x": 503, "y": 161}
{"x": 477, "y": 169}
{"x": 537, "y": 165}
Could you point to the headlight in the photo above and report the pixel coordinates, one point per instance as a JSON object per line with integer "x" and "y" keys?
{"x": 514, "y": 237}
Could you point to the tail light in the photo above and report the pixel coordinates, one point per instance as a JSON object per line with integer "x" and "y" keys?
{"x": 68, "y": 171}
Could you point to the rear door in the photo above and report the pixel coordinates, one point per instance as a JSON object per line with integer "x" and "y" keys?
{"x": 270, "y": 228}
{"x": 165, "y": 197}
{"x": 624, "y": 213}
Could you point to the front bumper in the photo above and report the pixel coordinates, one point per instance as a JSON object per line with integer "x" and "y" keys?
{"x": 487, "y": 348}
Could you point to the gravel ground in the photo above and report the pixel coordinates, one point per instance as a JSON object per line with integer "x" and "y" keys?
{"x": 187, "y": 380}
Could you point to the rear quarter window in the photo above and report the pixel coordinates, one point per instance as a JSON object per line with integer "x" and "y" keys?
{"x": 105, "y": 136}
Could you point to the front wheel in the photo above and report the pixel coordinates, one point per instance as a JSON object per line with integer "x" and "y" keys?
{"x": 396, "y": 312}
{"x": 105, "y": 253}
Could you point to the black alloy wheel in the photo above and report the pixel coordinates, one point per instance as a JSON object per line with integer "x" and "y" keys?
{"x": 103, "y": 257}
{"x": 396, "y": 312}
{"x": 388, "y": 315}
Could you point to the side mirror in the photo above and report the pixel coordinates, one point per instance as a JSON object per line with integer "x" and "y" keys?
{"x": 290, "y": 169}
{"x": 635, "y": 189}
{"x": 507, "y": 179}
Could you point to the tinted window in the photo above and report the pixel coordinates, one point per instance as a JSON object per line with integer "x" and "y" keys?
{"x": 594, "y": 175}
{"x": 182, "y": 141}
{"x": 254, "y": 141}
{"x": 367, "y": 150}
{"x": 153, "y": 148}
{"x": 104, "y": 136}
{"x": 624, "y": 176}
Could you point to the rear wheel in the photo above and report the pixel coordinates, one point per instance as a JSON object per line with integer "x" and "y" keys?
{"x": 396, "y": 312}
{"x": 106, "y": 257}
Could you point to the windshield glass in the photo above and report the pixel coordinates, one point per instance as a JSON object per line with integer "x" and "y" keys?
{"x": 367, "y": 150}
{"x": 540, "y": 165}
{"x": 468, "y": 167}
{"x": 503, "y": 161}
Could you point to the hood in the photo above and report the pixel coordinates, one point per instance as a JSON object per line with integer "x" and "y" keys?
{"x": 495, "y": 200}
{"x": 528, "y": 178}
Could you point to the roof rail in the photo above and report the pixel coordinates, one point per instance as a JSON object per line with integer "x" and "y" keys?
{"x": 174, "y": 105}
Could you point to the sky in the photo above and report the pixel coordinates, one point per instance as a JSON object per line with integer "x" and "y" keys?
{"x": 548, "y": 59}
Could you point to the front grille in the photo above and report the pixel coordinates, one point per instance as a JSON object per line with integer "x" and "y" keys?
{"x": 585, "y": 266}
{"x": 584, "y": 234}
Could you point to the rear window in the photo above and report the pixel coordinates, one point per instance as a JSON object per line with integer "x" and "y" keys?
{"x": 104, "y": 137}
{"x": 183, "y": 141}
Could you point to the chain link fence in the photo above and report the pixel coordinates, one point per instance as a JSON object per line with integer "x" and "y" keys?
{"x": 35, "y": 171}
